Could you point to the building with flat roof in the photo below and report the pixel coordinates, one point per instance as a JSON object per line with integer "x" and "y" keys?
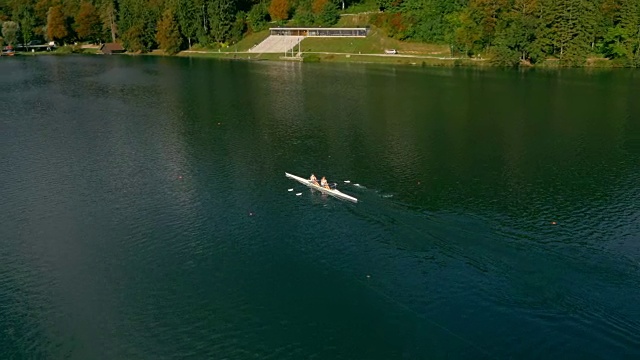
{"x": 320, "y": 32}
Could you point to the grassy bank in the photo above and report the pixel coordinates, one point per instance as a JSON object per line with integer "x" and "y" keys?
{"x": 375, "y": 43}
{"x": 62, "y": 50}
{"x": 249, "y": 41}
{"x": 391, "y": 60}
{"x": 369, "y": 49}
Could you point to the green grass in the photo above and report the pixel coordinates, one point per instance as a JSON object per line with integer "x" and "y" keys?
{"x": 364, "y": 6}
{"x": 62, "y": 50}
{"x": 375, "y": 43}
{"x": 90, "y": 51}
{"x": 250, "y": 41}
{"x": 356, "y": 20}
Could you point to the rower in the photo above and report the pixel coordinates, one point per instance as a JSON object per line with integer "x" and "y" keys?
{"x": 324, "y": 183}
{"x": 314, "y": 180}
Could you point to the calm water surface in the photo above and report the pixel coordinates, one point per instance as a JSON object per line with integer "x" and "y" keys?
{"x": 145, "y": 212}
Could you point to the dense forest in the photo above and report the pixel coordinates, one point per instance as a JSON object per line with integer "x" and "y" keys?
{"x": 509, "y": 31}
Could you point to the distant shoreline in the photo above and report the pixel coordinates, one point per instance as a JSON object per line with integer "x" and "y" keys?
{"x": 325, "y": 57}
{"x": 337, "y": 57}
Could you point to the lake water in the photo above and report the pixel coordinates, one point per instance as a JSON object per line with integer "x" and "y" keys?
{"x": 145, "y": 212}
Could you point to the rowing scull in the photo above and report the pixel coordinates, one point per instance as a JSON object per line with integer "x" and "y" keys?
{"x": 336, "y": 193}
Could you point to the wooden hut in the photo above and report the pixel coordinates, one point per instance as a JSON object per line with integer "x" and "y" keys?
{"x": 111, "y": 48}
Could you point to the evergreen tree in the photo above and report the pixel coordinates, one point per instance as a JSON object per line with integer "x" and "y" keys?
{"x": 515, "y": 33}
{"x": 329, "y": 14}
{"x": 621, "y": 39}
{"x": 238, "y": 28}
{"x": 257, "y": 17}
{"x": 108, "y": 16}
{"x": 130, "y": 25}
{"x": 221, "y": 18}
{"x": 189, "y": 19}
{"x": 137, "y": 23}
{"x": 304, "y": 15}
{"x": 565, "y": 30}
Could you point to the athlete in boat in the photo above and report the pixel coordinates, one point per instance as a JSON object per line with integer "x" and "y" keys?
{"x": 314, "y": 180}
{"x": 324, "y": 183}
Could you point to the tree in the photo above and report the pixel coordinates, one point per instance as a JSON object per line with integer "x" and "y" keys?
{"x": 10, "y": 32}
{"x": 26, "y": 20}
{"x": 279, "y": 10}
{"x": 108, "y": 17}
{"x": 620, "y": 40}
{"x": 189, "y": 19}
{"x": 329, "y": 15}
{"x": 317, "y": 6}
{"x": 452, "y": 24}
{"x": 469, "y": 33}
{"x": 87, "y": 22}
{"x": 137, "y": 22}
{"x": 479, "y": 21}
{"x": 515, "y": 33}
{"x": 168, "y": 35}
{"x": 432, "y": 18}
{"x": 304, "y": 15}
{"x": 257, "y": 17}
{"x": 56, "y": 24}
{"x": 387, "y": 5}
{"x": 41, "y": 12}
{"x": 238, "y": 28}
{"x": 221, "y": 18}
{"x": 571, "y": 26}
{"x": 566, "y": 29}
{"x": 132, "y": 39}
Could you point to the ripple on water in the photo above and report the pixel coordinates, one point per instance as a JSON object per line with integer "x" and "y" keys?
{"x": 144, "y": 214}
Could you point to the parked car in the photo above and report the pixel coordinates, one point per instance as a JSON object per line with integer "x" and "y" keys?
{"x": 35, "y": 42}
{"x": 391, "y": 51}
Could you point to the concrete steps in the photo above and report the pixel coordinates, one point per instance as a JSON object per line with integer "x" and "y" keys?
{"x": 277, "y": 44}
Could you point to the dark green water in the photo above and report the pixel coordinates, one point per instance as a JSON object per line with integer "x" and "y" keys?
{"x": 145, "y": 212}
